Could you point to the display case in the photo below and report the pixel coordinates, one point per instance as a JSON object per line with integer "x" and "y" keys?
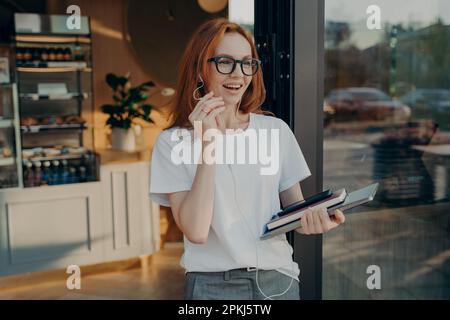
{"x": 53, "y": 69}
{"x": 10, "y": 169}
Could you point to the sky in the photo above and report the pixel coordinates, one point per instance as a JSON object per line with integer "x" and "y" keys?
{"x": 354, "y": 10}
{"x": 241, "y": 11}
{"x": 419, "y": 13}
{"x": 392, "y": 11}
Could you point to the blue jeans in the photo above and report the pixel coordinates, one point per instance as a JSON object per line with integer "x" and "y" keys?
{"x": 239, "y": 284}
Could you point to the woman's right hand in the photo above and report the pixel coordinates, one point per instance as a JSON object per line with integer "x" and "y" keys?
{"x": 207, "y": 110}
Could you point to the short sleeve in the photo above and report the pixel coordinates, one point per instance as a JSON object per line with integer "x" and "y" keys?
{"x": 293, "y": 165}
{"x": 166, "y": 176}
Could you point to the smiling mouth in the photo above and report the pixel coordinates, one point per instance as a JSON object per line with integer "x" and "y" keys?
{"x": 233, "y": 87}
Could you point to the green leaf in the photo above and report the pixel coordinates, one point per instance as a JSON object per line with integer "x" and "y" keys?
{"x": 132, "y": 110}
{"x": 123, "y": 94}
{"x": 147, "y": 108}
{"x": 127, "y": 101}
{"x": 109, "y": 109}
{"x": 134, "y": 93}
{"x": 112, "y": 81}
{"x": 122, "y": 81}
{"x": 113, "y": 122}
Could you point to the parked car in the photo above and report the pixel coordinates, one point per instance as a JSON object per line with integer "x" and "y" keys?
{"x": 428, "y": 99}
{"x": 363, "y": 104}
{"x": 430, "y": 104}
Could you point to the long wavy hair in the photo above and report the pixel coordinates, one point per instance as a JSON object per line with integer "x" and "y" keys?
{"x": 202, "y": 46}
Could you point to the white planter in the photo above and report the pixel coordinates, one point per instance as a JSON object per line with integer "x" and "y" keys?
{"x": 122, "y": 139}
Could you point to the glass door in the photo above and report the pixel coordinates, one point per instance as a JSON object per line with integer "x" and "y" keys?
{"x": 387, "y": 119}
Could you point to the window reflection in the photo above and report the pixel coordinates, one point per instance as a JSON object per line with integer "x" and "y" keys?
{"x": 387, "y": 119}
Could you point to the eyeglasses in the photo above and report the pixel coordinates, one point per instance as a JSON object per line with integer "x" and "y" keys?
{"x": 226, "y": 65}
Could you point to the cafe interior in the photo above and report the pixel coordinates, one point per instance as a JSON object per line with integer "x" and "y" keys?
{"x": 73, "y": 182}
{"x": 372, "y": 93}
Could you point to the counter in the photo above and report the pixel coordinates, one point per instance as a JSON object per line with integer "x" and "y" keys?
{"x": 56, "y": 226}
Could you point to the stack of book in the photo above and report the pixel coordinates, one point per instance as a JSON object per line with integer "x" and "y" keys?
{"x": 297, "y": 210}
{"x": 290, "y": 217}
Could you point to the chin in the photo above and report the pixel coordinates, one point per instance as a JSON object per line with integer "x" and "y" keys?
{"x": 232, "y": 100}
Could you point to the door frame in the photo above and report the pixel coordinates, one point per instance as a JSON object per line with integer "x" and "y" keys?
{"x": 308, "y": 128}
{"x": 290, "y": 39}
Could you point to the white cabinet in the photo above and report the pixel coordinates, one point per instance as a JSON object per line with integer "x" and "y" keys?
{"x": 50, "y": 227}
{"x": 55, "y": 226}
{"x": 131, "y": 220}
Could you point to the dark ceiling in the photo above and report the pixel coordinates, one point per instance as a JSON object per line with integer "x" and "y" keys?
{"x": 9, "y": 7}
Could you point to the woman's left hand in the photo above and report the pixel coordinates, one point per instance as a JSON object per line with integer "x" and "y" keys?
{"x": 318, "y": 221}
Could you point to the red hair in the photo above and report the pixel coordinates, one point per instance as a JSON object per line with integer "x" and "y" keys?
{"x": 202, "y": 46}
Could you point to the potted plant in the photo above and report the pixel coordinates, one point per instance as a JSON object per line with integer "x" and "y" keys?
{"x": 129, "y": 104}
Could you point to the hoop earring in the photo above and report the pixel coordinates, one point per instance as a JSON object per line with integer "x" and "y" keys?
{"x": 200, "y": 85}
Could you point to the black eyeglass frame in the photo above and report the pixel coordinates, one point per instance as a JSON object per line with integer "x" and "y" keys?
{"x": 235, "y": 61}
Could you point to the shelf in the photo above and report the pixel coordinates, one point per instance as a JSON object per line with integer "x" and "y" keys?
{"x": 55, "y": 64}
{"x": 50, "y": 70}
{"x": 56, "y": 157}
{"x": 5, "y": 123}
{"x": 47, "y": 127}
{"x": 52, "y": 39}
{"x": 67, "y": 96}
{"x": 6, "y": 161}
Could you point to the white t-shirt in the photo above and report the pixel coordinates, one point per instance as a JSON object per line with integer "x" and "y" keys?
{"x": 244, "y": 200}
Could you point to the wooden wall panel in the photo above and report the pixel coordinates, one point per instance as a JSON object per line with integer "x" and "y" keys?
{"x": 111, "y": 53}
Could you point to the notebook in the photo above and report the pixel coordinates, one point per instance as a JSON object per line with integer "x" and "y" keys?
{"x": 281, "y": 219}
{"x": 353, "y": 199}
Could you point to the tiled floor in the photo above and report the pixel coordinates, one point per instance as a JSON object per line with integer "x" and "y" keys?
{"x": 162, "y": 279}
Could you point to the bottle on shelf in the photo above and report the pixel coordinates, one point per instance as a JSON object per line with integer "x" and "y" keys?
{"x": 73, "y": 175}
{"x": 82, "y": 174}
{"x": 44, "y": 54}
{"x": 67, "y": 54}
{"x": 78, "y": 54}
{"x": 28, "y": 174}
{"x": 65, "y": 175}
{"x": 46, "y": 173}
{"x": 59, "y": 55}
{"x": 19, "y": 56}
{"x": 36, "y": 54}
{"x": 51, "y": 54}
{"x": 27, "y": 56}
{"x": 37, "y": 173}
{"x": 55, "y": 172}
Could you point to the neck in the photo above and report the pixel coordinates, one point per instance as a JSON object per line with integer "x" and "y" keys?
{"x": 232, "y": 119}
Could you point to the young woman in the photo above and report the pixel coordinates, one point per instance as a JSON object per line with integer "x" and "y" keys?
{"x": 222, "y": 208}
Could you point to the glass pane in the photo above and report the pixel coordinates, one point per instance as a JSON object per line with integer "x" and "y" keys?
{"x": 387, "y": 119}
{"x": 8, "y": 157}
{"x": 242, "y": 12}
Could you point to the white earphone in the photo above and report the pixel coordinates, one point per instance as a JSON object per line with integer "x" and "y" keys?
{"x": 198, "y": 88}
{"x": 266, "y": 297}
{"x": 243, "y": 217}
